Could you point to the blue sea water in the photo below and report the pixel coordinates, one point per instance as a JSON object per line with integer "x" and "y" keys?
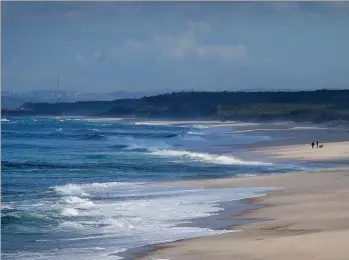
{"x": 78, "y": 188}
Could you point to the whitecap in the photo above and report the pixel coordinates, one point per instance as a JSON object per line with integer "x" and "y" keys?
{"x": 77, "y": 202}
{"x": 70, "y": 189}
{"x": 195, "y": 133}
{"x": 3, "y": 206}
{"x": 200, "y": 126}
{"x": 206, "y": 157}
{"x": 69, "y": 212}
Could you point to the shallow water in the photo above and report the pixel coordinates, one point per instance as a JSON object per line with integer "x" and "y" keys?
{"x": 78, "y": 188}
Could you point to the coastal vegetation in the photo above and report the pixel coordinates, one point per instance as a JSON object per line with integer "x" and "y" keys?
{"x": 315, "y": 106}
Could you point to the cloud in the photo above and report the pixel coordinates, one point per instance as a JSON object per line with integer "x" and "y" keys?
{"x": 80, "y": 59}
{"x": 284, "y": 6}
{"x": 182, "y": 45}
{"x": 223, "y": 52}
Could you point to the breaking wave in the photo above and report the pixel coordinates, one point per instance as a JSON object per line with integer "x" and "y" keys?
{"x": 209, "y": 158}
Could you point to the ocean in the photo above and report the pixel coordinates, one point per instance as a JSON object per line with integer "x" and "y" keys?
{"x": 83, "y": 188}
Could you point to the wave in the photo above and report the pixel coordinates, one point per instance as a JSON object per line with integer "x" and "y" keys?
{"x": 75, "y": 166}
{"x": 21, "y": 217}
{"x": 70, "y": 212}
{"x": 194, "y": 133}
{"x": 6, "y": 207}
{"x": 191, "y": 138}
{"x": 136, "y": 143}
{"x": 31, "y": 164}
{"x": 4, "y": 120}
{"x": 153, "y": 123}
{"x": 134, "y": 134}
{"x": 58, "y": 133}
{"x": 200, "y": 126}
{"x": 209, "y": 158}
{"x": 136, "y": 211}
{"x": 95, "y": 136}
{"x": 47, "y": 165}
{"x": 83, "y": 189}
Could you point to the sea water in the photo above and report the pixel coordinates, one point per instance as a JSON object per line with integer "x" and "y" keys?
{"x": 78, "y": 188}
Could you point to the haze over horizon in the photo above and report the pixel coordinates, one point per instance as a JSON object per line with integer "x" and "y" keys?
{"x": 138, "y": 46}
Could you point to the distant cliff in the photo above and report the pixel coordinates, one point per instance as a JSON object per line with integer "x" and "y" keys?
{"x": 316, "y": 106}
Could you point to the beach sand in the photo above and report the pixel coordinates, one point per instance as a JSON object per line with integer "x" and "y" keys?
{"x": 332, "y": 151}
{"x": 307, "y": 218}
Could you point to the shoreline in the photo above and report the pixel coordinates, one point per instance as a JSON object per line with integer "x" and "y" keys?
{"x": 285, "y": 230}
{"x": 223, "y": 220}
{"x": 325, "y": 162}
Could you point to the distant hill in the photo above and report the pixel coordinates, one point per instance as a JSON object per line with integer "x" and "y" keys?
{"x": 10, "y": 99}
{"x": 315, "y": 106}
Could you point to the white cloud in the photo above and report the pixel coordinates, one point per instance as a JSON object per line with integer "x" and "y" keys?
{"x": 284, "y": 6}
{"x": 80, "y": 59}
{"x": 182, "y": 45}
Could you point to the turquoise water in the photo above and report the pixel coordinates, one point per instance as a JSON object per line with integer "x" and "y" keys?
{"x": 78, "y": 188}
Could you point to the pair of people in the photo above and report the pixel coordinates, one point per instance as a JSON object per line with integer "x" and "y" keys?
{"x": 313, "y": 144}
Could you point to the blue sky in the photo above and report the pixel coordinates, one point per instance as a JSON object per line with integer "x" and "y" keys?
{"x": 133, "y": 46}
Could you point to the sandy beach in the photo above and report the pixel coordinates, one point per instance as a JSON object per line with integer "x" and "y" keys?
{"x": 331, "y": 151}
{"x": 307, "y": 218}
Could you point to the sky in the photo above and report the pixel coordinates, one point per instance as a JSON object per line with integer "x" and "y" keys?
{"x": 152, "y": 46}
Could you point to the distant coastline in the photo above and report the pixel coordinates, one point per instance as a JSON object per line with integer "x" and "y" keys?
{"x": 311, "y": 106}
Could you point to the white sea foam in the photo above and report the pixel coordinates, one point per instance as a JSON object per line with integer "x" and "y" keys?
{"x": 4, "y": 120}
{"x": 6, "y": 207}
{"x": 86, "y": 190}
{"x": 78, "y": 203}
{"x": 74, "y": 200}
{"x": 206, "y": 157}
{"x": 69, "y": 212}
{"x": 125, "y": 215}
{"x": 70, "y": 189}
{"x": 91, "y": 253}
{"x": 152, "y": 213}
{"x": 195, "y": 133}
{"x": 152, "y": 123}
{"x": 200, "y": 126}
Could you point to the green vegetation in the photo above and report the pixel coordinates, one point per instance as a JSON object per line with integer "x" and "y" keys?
{"x": 316, "y": 106}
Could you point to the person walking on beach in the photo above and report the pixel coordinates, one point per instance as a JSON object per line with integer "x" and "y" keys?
{"x": 317, "y": 144}
{"x": 312, "y": 145}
